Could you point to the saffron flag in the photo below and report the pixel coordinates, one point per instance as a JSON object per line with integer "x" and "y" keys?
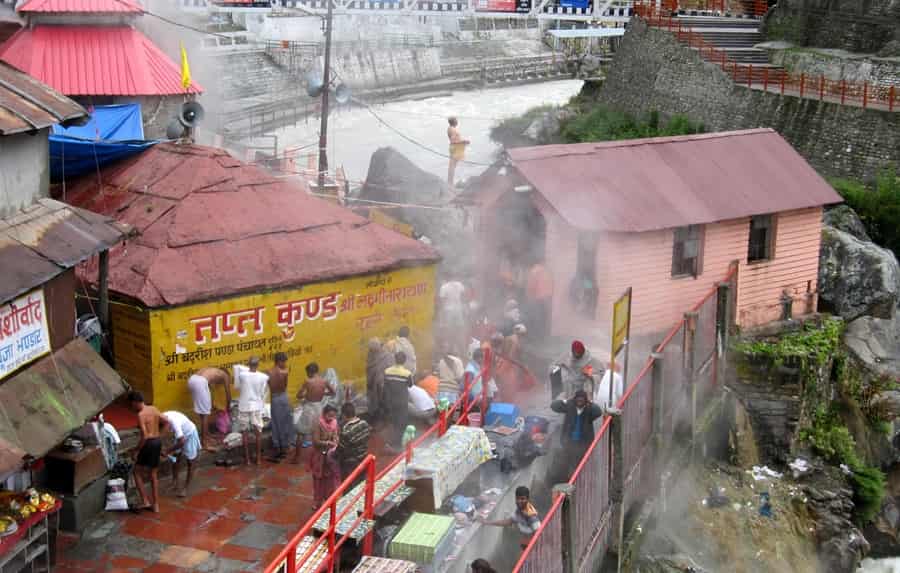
{"x": 185, "y": 69}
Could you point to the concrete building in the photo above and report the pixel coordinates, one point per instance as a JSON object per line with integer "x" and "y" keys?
{"x": 92, "y": 52}
{"x": 665, "y": 216}
{"x": 28, "y": 109}
{"x": 51, "y": 382}
{"x": 231, "y": 262}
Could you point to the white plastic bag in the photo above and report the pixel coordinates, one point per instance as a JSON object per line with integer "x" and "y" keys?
{"x": 115, "y": 495}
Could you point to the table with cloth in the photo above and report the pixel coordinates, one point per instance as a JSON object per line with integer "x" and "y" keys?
{"x": 449, "y": 460}
{"x": 381, "y": 486}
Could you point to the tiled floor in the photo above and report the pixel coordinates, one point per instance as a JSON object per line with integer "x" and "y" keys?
{"x": 234, "y": 520}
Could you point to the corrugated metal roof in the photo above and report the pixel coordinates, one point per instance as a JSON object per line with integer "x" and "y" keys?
{"x": 27, "y": 105}
{"x": 660, "y": 183}
{"x": 94, "y": 60}
{"x": 97, "y": 6}
{"x": 47, "y": 238}
{"x": 211, "y": 226}
{"x": 55, "y": 396}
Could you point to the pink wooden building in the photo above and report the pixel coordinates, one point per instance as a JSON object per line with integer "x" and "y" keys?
{"x": 666, "y": 216}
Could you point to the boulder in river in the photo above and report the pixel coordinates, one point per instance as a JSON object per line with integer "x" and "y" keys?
{"x": 856, "y": 278}
{"x": 392, "y": 178}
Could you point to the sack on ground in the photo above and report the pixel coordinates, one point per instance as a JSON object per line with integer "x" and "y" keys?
{"x": 115, "y": 495}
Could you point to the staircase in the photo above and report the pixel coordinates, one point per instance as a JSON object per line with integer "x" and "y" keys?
{"x": 731, "y": 39}
{"x": 736, "y": 37}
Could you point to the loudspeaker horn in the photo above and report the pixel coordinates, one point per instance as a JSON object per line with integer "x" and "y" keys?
{"x": 342, "y": 94}
{"x": 191, "y": 114}
{"x": 314, "y": 84}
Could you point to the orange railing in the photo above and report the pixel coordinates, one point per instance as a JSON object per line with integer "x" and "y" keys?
{"x": 772, "y": 79}
{"x": 288, "y": 561}
{"x": 593, "y": 508}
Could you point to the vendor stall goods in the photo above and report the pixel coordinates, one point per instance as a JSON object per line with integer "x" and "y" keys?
{"x": 371, "y": 564}
{"x": 425, "y": 539}
{"x": 450, "y": 459}
{"x": 381, "y": 486}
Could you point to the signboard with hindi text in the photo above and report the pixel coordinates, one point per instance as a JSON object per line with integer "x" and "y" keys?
{"x": 24, "y": 335}
{"x": 621, "y": 319}
{"x": 329, "y": 323}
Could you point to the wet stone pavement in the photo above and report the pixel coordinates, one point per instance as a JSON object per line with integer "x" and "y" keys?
{"x": 234, "y": 520}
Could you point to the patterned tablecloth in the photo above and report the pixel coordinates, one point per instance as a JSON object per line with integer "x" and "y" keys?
{"x": 381, "y": 486}
{"x": 312, "y": 564}
{"x": 450, "y": 459}
{"x": 371, "y": 564}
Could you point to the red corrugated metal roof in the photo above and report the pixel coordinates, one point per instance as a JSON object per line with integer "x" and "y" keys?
{"x": 666, "y": 182}
{"x": 27, "y": 105}
{"x": 97, "y": 6}
{"x": 94, "y": 60}
{"x": 211, "y": 226}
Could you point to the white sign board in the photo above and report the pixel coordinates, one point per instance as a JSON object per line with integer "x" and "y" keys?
{"x": 24, "y": 335}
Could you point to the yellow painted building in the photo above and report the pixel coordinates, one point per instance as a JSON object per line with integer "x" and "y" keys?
{"x": 330, "y": 323}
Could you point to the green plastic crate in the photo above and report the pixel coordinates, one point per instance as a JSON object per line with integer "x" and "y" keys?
{"x": 421, "y": 536}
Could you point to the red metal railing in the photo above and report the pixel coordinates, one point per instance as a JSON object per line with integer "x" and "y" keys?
{"x": 288, "y": 561}
{"x": 772, "y": 79}
{"x": 593, "y": 509}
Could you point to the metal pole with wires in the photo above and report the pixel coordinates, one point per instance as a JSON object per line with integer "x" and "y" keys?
{"x": 326, "y": 79}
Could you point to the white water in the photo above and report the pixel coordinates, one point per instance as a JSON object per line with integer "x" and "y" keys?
{"x": 887, "y": 565}
{"x": 354, "y": 134}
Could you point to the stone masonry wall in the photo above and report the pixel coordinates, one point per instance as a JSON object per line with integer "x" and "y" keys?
{"x": 653, "y": 71}
{"x": 856, "y": 25}
{"x": 839, "y": 65}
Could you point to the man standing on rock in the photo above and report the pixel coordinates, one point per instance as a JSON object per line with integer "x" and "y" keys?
{"x": 457, "y": 149}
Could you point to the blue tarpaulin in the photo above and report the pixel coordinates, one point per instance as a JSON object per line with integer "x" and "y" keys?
{"x": 113, "y": 132}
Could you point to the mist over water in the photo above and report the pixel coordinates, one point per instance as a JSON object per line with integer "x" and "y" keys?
{"x": 354, "y": 133}
{"x": 887, "y": 565}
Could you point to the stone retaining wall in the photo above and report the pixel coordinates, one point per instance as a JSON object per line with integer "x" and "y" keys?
{"x": 653, "y": 71}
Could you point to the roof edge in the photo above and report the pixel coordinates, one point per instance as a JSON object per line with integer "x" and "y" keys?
{"x": 589, "y": 147}
{"x": 136, "y": 300}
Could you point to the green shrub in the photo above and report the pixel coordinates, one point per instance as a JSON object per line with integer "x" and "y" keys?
{"x": 602, "y": 124}
{"x": 878, "y": 207}
{"x": 828, "y": 436}
{"x": 868, "y": 492}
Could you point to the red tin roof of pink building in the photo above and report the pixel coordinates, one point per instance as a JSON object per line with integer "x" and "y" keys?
{"x": 665, "y": 182}
{"x": 94, "y": 60}
{"x": 210, "y": 226}
{"x": 95, "y": 6}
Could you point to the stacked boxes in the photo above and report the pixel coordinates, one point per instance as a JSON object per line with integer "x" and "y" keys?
{"x": 425, "y": 539}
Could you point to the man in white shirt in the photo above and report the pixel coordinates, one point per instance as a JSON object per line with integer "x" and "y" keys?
{"x": 601, "y": 392}
{"x": 453, "y": 315}
{"x": 421, "y": 405}
{"x": 253, "y": 387}
{"x": 186, "y": 447}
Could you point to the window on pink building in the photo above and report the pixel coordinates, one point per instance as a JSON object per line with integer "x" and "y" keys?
{"x": 762, "y": 238}
{"x": 687, "y": 251}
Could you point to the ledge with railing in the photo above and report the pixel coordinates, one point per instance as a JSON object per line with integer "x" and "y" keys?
{"x": 620, "y": 466}
{"x": 772, "y": 79}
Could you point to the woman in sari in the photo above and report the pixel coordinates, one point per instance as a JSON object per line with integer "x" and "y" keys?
{"x": 323, "y": 465}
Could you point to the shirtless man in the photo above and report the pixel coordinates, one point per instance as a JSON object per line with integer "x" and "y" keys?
{"x": 310, "y": 395}
{"x": 457, "y": 148}
{"x": 284, "y": 434}
{"x": 199, "y": 384}
{"x": 148, "y": 450}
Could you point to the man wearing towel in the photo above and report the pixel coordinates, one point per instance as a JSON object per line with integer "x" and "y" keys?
{"x": 186, "y": 447}
{"x": 199, "y": 384}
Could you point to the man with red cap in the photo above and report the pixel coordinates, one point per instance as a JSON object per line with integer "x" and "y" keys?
{"x": 577, "y": 370}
